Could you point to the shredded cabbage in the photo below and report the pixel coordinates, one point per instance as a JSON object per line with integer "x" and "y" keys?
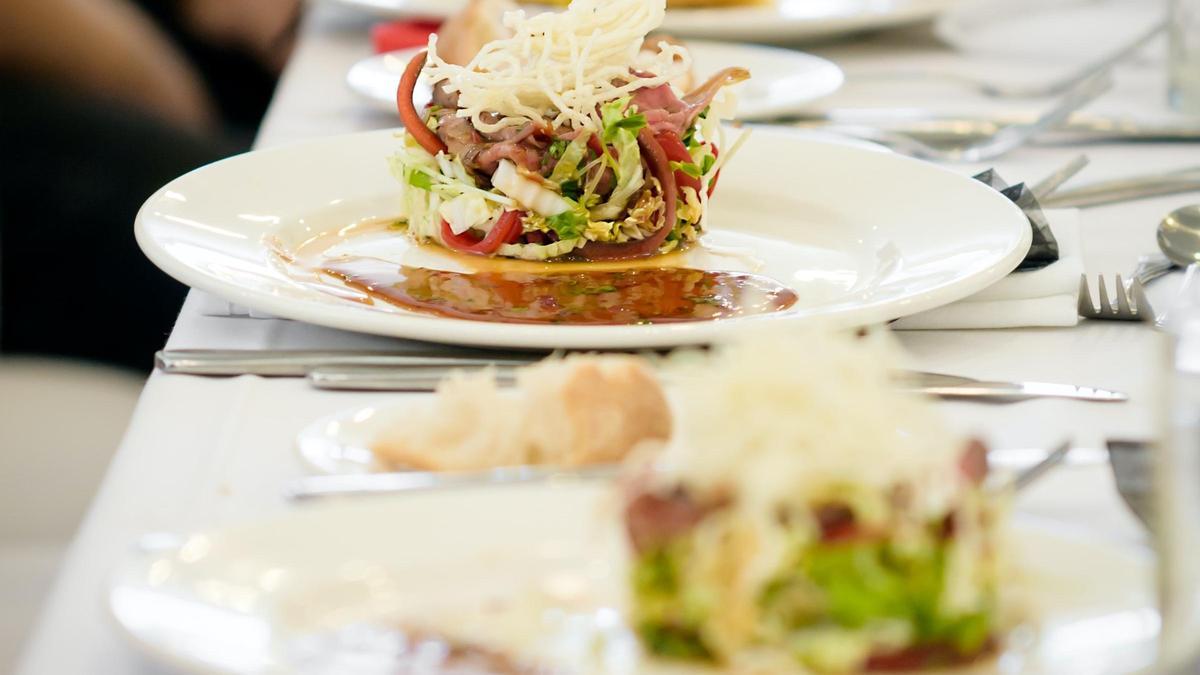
{"x": 466, "y": 211}
{"x": 540, "y": 251}
{"x": 568, "y": 164}
{"x": 629, "y": 174}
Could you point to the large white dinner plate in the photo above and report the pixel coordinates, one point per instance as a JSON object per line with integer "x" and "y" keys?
{"x": 318, "y": 590}
{"x": 863, "y": 236}
{"x": 774, "y": 21}
{"x": 783, "y": 82}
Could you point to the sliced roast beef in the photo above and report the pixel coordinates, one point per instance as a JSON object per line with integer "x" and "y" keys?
{"x": 486, "y": 158}
{"x": 654, "y": 519}
{"x": 524, "y": 146}
{"x": 665, "y": 111}
{"x": 443, "y": 98}
{"x": 457, "y": 133}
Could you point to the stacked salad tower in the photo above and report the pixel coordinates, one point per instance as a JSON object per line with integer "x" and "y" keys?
{"x": 811, "y": 515}
{"x": 566, "y": 138}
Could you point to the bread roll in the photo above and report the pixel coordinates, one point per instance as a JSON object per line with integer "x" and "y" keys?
{"x": 564, "y": 412}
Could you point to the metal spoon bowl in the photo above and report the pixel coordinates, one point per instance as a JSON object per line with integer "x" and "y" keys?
{"x": 1179, "y": 235}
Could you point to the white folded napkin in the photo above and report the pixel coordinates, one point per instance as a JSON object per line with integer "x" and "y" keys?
{"x": 1045, "y": 297}
{"x": 211, "y": 305}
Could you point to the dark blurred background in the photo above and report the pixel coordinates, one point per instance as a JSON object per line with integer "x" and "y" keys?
{"x": 101, "y": 103}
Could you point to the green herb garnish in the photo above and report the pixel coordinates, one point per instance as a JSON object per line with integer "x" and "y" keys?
{"x": 689, "y": 168}
{"x": 569, "y": 224}
{"x": 557, "y": 148}
{"x": 619, "y": 115}
{"x": 420, "y": 179}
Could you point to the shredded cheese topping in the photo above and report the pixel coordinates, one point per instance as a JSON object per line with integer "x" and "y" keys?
{"x": 783, "y": 417}
{"x": 561, "y": 66}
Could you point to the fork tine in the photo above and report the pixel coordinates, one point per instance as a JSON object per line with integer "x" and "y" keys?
{"x": 1123, "y": 308}
{"x": 1144, "y": 311}
{"x": 1084, "y": 304}
{"x": 1106, "y": 307}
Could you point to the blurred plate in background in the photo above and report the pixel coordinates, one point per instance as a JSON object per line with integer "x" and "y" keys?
{"x": 783, "y": 81}
{"x": 1067, "y": 32}
{"x": 778, "y": 21}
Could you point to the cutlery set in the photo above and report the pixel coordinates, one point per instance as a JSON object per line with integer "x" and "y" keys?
{"x": 417, "y": 372}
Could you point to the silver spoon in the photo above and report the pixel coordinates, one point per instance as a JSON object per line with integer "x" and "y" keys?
{"x": 1179, "y": 235}
{"x": 1178, "y": 239}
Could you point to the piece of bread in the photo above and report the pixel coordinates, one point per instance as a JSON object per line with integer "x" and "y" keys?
{"x": 462, "y": 35}
{"x": 469, "y": 424}
{"x": 564, "y": 412}
{"x": 593, "y": 409}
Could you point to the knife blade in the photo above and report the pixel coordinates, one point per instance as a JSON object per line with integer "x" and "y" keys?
{"x": 361, "y": 485}
{"x": 1015, "y": 392}
{"x": 934, "y": 128}
{"x": 298, "y": 363}
{"x": 422, "y": 370}
{"x": 368, "y": 484}
{"x": 931, "y": 384}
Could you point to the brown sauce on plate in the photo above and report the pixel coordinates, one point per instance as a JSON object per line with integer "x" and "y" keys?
{"x": 601, "y": 297}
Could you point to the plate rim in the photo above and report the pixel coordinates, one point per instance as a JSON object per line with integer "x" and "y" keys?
{"x": 536, "y": 337}
{"x": 754, "y": 23}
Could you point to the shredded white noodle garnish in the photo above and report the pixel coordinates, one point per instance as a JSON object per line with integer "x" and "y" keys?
{"x": 783, "y": 415}
{"x": 561, "y": 66}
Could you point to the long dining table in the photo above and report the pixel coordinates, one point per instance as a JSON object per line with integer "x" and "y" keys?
{"x": 204, "y": 453}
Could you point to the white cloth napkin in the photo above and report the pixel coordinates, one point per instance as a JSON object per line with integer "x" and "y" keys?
{"x": 1045, "y": 297}
{"x": 211, "y": 305}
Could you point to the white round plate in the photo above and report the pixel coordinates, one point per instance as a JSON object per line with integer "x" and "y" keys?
{"x": 773, "y": 21}
{"x": 341, "y": 443}
{"x": 321, "y": 589}
{"x": 863, "y": 237}
{"x": 783, "y": 81}
{"x": 1063, "y": 33}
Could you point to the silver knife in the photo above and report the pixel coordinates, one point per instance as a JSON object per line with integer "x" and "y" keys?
{"x": 933, "y": 128}
{"x": 1125, "y": 189}
{"x": 354, "y": 485}
{"x": 966, "y": 388}
{"x": 298, "y": 363}
{"x": 367, "y": 484}
{"x": 931, "y": 384}
{"x": 423, "y": 370}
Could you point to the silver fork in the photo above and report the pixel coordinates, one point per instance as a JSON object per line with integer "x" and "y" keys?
{"x": 1131, "y": 301}
{"x": 1002, "y": 142}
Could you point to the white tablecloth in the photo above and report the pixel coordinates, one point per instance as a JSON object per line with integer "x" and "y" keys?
{"x": 206, "y": 452}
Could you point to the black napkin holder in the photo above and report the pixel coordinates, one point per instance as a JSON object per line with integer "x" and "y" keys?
{"x": 1044, "y": 248}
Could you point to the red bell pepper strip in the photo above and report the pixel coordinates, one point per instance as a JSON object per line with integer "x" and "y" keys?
{"x": 678, "y": 152}
{"x": 506, "y": 230}
{"x": 408, "y": 112}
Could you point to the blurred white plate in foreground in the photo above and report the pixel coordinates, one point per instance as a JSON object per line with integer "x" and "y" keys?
{"x": 772, "y": 22}
{"x": 783, "y": 81}
{"x": 324, "y": 589}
